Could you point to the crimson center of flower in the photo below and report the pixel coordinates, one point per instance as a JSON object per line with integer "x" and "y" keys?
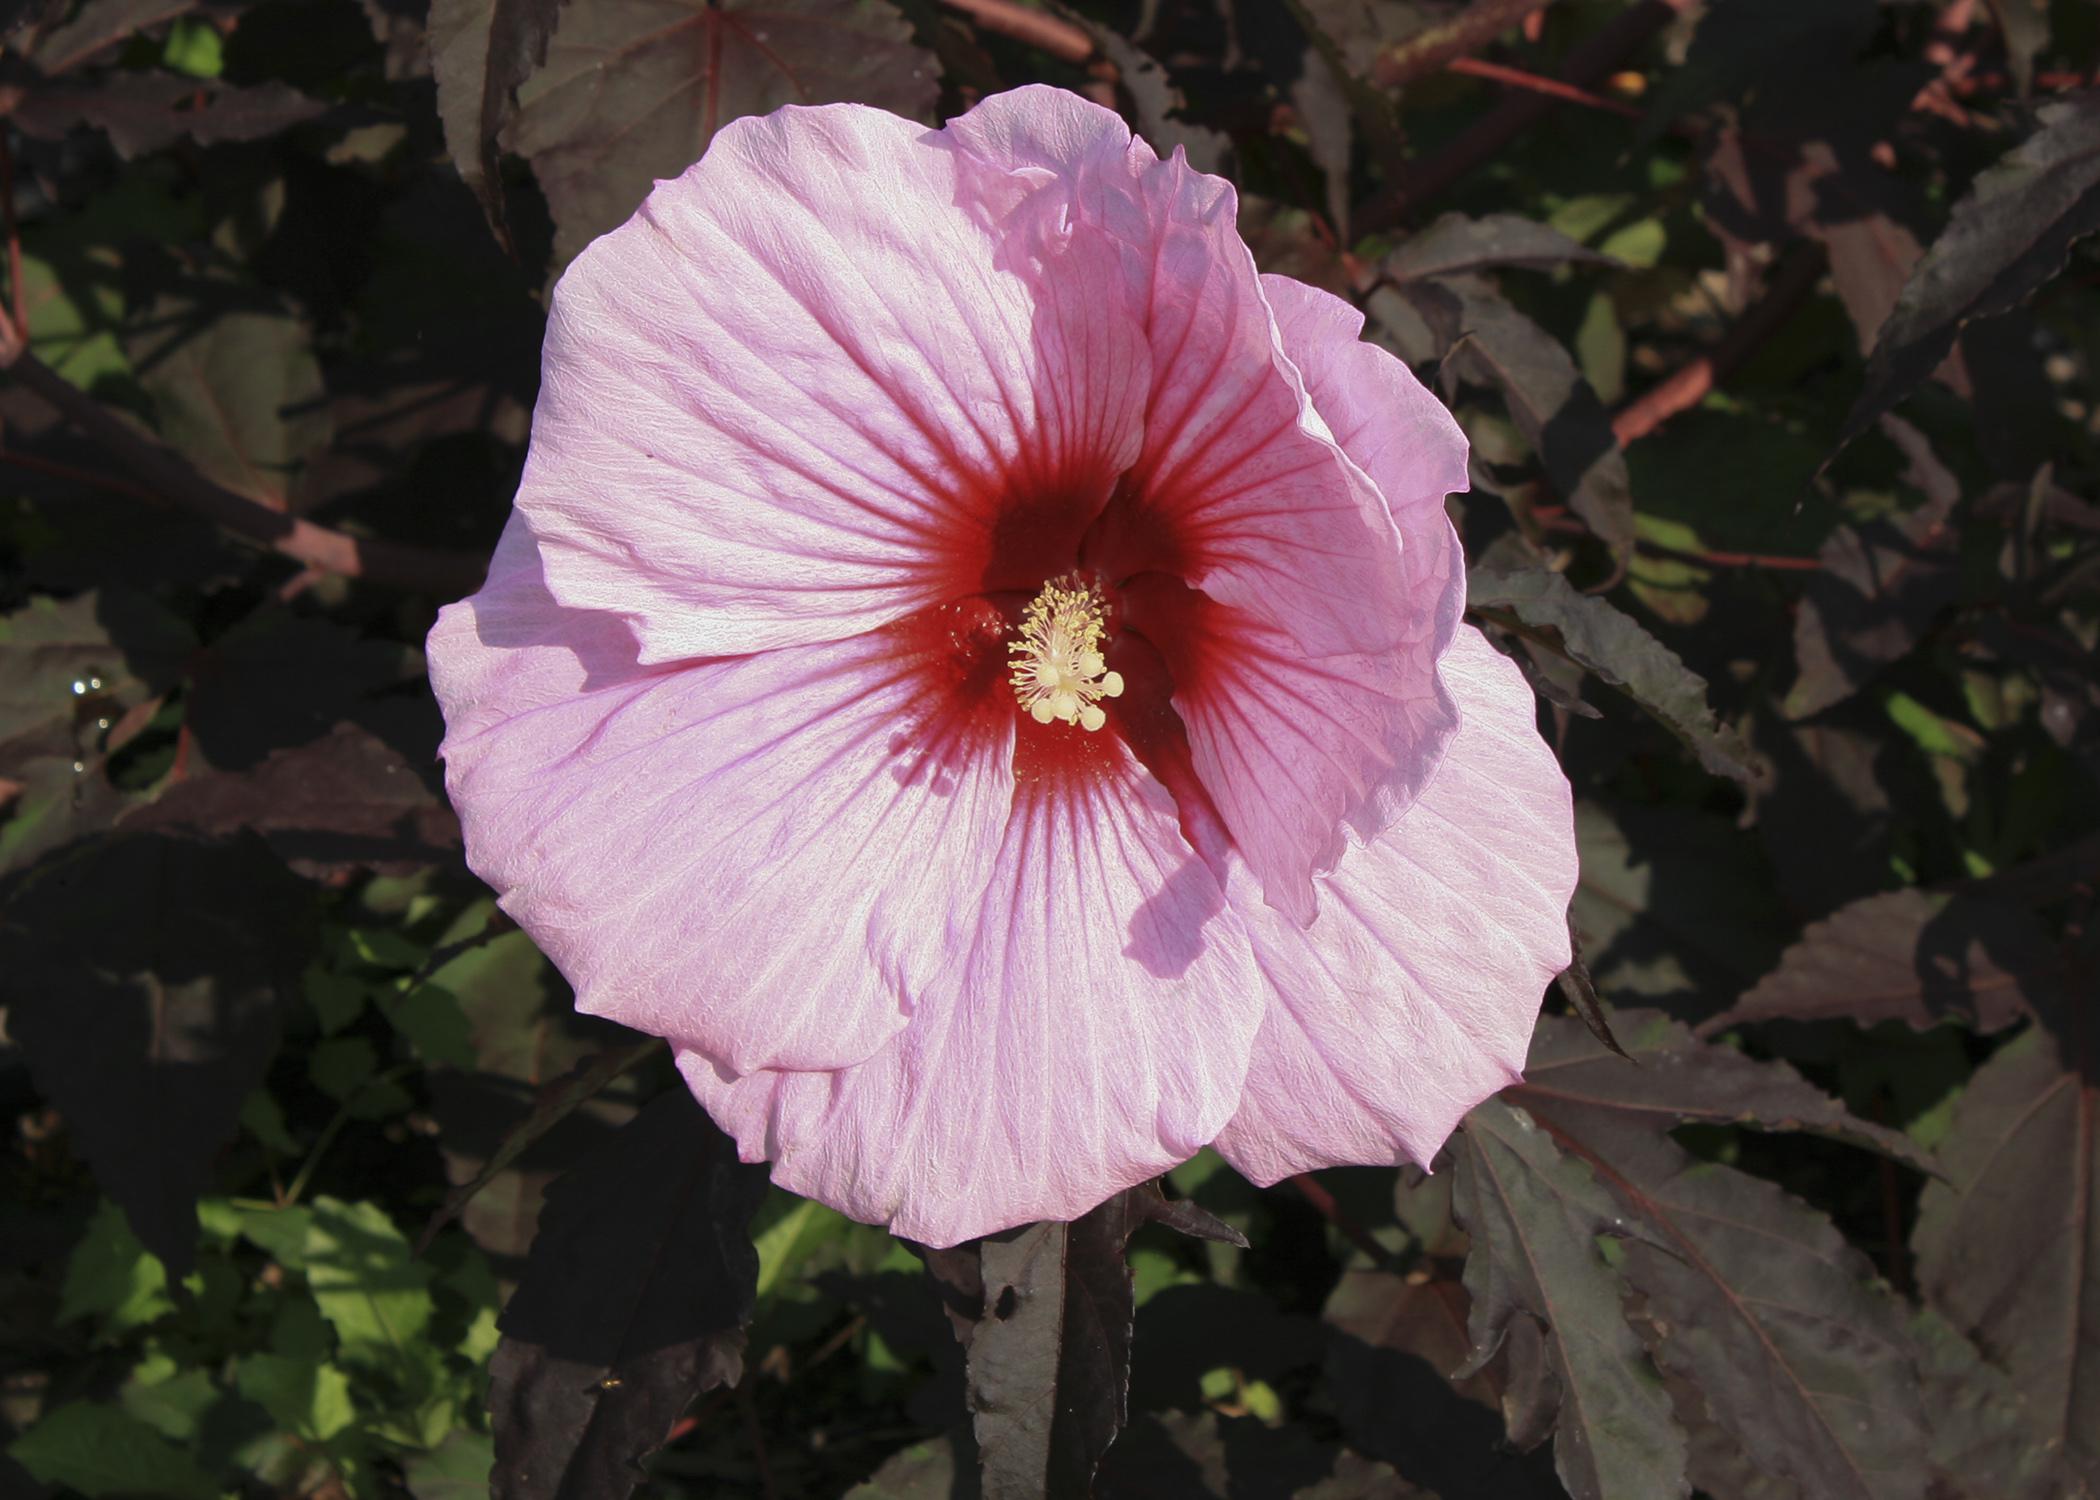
{"x": 1058, "y": 670}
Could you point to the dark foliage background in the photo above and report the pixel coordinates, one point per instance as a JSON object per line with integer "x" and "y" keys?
{"x": 1775, "y": 336}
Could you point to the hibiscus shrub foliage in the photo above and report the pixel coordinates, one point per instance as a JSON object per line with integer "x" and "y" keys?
{"x": 1774, "y": 333}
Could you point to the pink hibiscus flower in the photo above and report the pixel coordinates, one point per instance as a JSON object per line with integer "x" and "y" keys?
{"x": 980, "y": 669}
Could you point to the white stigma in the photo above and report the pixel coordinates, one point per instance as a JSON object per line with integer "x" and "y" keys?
{"x": 1058, "y": 671}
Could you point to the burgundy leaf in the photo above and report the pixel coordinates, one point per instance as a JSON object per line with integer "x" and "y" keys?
{"x": 631, "y": 93}
{"x": 634, "y": 1301}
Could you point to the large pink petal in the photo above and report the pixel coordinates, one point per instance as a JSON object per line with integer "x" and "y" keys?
{"x": 1288, "y": 745}
{"x": 839, "y": 370}
{"x": 1241, "y": 489}
{"x": 510, "y": 649}
{"x": 766, "y": 855}
{"x": 1294, "y": 734}
{"x": 1093, "y": 1033}
{"x": 1413, "y": 996}
{"x": 1413, "y": 449}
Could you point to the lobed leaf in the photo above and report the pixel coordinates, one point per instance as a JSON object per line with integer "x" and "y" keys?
{"x": 1203, "y": 1456}
{"x": 480, "y": 51}
{"x": 552, "y": 1104}
{"x": 1676, "y": 1079}
{"x": 1534, "y": 1217}
{"x": 1455, "y": 243}
{"x": 634, "y": 1301}
{"x": 633, "y": 92}
{"x": 1795, "y": 1348}
{"x": 1488, "y": 342}
{"x": 103, "y": 1450}
{"x": 525, "y": 1037}
{"x": 345, "y": 801}
{"x": 142, "y": 113}
{"x": 1880, "y": 585}
{"x": 147, "y": 1033}
{"x": 1543, "y": 606}
{"x": 1049, "y": 1349}
{"x": 2011, "y": 232}
{"x": 2008, "y": 1245}
{"x": 238, "y": 392}
{"x": 1908, "y": 956}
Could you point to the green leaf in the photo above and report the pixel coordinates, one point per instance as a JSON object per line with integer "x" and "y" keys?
{"x": 103, "y": 1450}
{"x": 1534, "y": 1217}
{"x": 457, "y": 1469}
{"x": 429, "y": 1017}
{"x": 112, "y": 1276}
{"x": 173, "y": 1401}
{"x": 74, "y": 332}
{"x": 1674, "y": 904}
{"x": 635, "y": 92}
{"x": 103, "y": 652}
{"x": 194, "y": 47}
{"x": 281, "y": 1232}
{"x": 784, "y": 1243}
{"x": 367, "y": 1284}
{"x": 303, "y": 1396}
{"x": 540, "y": 1093}
{"x": 1543, "y": 606}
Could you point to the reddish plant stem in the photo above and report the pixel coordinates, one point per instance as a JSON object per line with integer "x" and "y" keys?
{"x": 36, "y": 465}
{"x": 1517, "y": 78}
{"x": 1310, "y": 1188}
{"x": 15, "y": 310}
{"x": 164, "y": 476}
{"x": 1772, "y": 560}
{"x": 1586, "y": 66}
{"x": 1689, "y": 383}
{"x": 1558, "y": 518}
{"x": 1433, "y": 49}
{"x": 1060, "y": 38}
{"x": 758, "y": 1441}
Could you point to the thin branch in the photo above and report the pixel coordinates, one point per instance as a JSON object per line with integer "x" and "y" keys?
{"x": 757, "y": 1435}
{"x": 50, "y": 468}
{"x": 1060, "y": 38}
{"x": 1778, "y": 562}
{"x": 1315, "y": 1193}
{"x": 1689, "y": 383}
{"x": 1517, "y": 78}
{"x": 164, "y": 476}
{"x": 15, "y": 309}
{"x": 1586, "y": 66}
{"x": 1432, "y": 49}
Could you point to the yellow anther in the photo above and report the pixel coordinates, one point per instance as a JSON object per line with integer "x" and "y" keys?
{"x": 1058, "y": 669}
